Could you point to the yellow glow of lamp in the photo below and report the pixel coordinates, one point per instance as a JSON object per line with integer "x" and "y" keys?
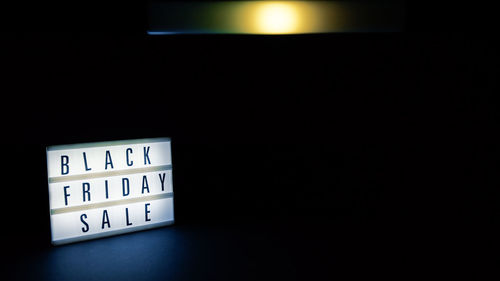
{"x": 276, "y": 18}
{"x": 273, "y": 17}
{"x": 279, "y": 17}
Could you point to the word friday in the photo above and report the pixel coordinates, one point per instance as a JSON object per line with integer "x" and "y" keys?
{"x": 108, "y": 188}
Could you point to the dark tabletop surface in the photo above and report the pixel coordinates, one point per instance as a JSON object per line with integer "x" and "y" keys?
{"x": 245, "y": 250}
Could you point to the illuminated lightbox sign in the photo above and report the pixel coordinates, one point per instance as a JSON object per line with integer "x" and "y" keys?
{"x": 108, "y": 188}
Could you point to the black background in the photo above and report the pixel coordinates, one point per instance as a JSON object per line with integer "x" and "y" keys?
{"x": 295, "y": 157}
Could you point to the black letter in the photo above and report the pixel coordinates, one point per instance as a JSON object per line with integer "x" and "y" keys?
{"x": 129, "y": 163}
{"x": 162, "y": 182}
{"x": 106, "y": 186}
{"x": 108, "y": 160}
{"x": 144, "y": 184}
{"x": 86, "y": 189}
{"x": 147, "y": 211}
{"x": 86, "y": 228}
{"x": 146, "y": 156}
{"x": 128, "y": 186}
{"x": 126, "y": 214}
{"x": 85, "y": 161}
{"x": 105, "y": 219}
{"x": 64, "y": 163}
{"x": 66, "y": 195}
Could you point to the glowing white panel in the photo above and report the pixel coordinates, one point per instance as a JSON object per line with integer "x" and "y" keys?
{"x": 108, "y": 188}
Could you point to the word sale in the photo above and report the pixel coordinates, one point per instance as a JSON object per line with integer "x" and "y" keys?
{"x": 107, "y": 223}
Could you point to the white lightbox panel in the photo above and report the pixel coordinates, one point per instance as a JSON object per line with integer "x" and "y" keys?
{"x": 108, "y": 188}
